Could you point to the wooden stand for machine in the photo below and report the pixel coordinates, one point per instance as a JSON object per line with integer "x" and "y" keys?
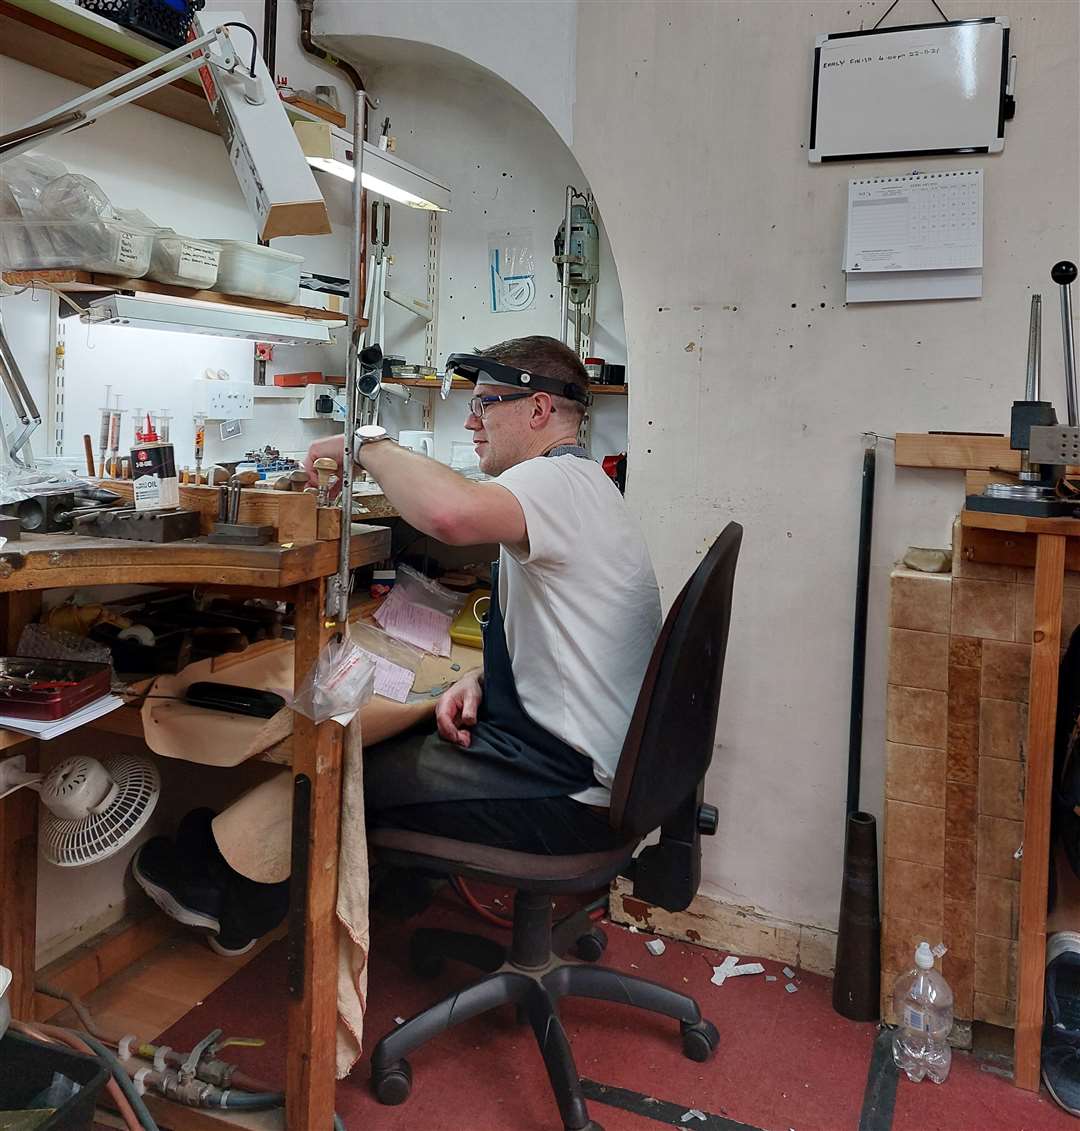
{"x": 1051, "y": 545}
{"x": 296, "y": 574}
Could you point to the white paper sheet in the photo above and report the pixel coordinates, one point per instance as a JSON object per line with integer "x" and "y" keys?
{"x": 53, "y": 728}
{"x": 392, "y": 681}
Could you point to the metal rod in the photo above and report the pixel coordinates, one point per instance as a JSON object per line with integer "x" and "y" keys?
{"x": 337, "y": 596}
{"x": 1063, "y": 274}
{"x": 858, "y": 652}
{"x": 1034, "y": 357}
{"x": 564, "y": 303}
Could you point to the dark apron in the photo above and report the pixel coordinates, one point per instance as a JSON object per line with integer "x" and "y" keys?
{"x": 510, "y": 756}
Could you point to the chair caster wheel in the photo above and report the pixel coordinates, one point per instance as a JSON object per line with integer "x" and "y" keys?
{"x": 699, "y": 1041}
{"x": 424, "y": 964}
{"x": 392, "y": 1084}
{"x": 591, "y": 945}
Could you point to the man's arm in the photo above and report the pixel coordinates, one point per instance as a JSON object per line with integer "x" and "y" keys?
{"x": 433, "y": 498}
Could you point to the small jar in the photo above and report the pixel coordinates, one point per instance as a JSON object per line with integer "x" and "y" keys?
{"x": 594, "y": 366}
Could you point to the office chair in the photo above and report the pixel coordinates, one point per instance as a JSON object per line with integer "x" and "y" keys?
{"x": 659, "y": 784}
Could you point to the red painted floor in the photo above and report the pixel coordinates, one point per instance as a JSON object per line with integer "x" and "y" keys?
{"x": 786, "y": 1061}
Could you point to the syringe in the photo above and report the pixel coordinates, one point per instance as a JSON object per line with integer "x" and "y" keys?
{"x": 200, "y": 444}
{"x": 161, "y": 424}
{"x": 115, "y": 415}
{"x": 106, "y": 424}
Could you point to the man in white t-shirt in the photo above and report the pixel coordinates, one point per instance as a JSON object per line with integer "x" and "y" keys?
{"x": 526, "y": 748}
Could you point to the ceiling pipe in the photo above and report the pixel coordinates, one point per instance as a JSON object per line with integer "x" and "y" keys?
{"x": 307, "y": 10}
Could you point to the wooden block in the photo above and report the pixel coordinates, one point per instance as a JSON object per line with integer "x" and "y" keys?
{"x": 957, "y": 450}
{"x": 327, "y": 113}
{"x": 290, "y": 513}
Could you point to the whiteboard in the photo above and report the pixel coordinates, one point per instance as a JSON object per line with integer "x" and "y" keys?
{"x": 903, "y": 92}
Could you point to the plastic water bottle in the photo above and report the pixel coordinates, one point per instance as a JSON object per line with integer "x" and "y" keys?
{"x": 924, "y": 1006}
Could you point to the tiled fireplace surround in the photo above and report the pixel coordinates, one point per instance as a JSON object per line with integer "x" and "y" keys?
{"x": 956, "y": 728}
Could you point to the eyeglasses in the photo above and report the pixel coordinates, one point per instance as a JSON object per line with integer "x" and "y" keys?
{"x": 478, "y": 405}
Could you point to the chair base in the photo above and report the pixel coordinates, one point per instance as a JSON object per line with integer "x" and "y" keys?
{"x": 514, "y": 977}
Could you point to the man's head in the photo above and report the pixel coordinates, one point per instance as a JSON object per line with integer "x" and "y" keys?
{"x": 525, "y": 424}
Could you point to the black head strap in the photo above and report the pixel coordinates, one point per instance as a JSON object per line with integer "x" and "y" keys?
{"x": 473, "y": 366}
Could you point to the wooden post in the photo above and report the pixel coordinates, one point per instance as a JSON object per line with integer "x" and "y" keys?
{"x": 1042, "y": 718}
{"x": 18, "y": 838}
{"x": 317, "y": 754}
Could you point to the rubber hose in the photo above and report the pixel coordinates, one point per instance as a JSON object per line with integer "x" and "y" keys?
{"x": 252, "y": 1101}
{"x": 338, "y": 1124}
{"x": 127, "y": 1113}
{"x": 122, "y": 1078}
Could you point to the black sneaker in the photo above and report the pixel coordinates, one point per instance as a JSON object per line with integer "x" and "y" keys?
{"x": 248, "y": 911}
{"x": 1061, "y": 1034}
{"x": 158, "y": 870}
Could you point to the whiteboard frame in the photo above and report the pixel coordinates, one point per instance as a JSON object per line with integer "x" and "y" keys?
{"x": 998, "y": 143}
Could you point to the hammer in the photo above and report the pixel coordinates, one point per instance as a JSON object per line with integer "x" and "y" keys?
{"x": 326, "y": 469}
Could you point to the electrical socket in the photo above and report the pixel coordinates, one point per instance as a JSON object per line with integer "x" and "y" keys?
{"x": 223, "y": 400}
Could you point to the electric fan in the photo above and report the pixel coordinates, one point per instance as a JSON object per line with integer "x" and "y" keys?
{"x": 95, "y": 808}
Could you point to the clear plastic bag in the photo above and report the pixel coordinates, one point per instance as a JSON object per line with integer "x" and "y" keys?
{"x": 421, "y": 590}
{"x": 340, "y": 682}
{"x": 22, "y": 181}
{"x": 76, "y": 197}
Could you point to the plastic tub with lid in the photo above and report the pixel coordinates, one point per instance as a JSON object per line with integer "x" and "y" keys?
{"x": 110, "y": 247}
{"x": 258, "y": 272}
{"x": 183, "y": 262}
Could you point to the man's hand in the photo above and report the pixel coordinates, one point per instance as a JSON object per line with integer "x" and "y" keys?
{"x": 332, "y": 447}
{"x": 456, "y": 710}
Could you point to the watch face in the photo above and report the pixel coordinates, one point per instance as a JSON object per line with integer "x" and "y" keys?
{"x": 371, "y": 432}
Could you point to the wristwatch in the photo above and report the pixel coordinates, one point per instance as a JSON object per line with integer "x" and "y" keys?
{"x": 367, "y": 434}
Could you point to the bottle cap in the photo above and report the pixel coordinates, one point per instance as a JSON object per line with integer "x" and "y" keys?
{"x": 924, "y": 956}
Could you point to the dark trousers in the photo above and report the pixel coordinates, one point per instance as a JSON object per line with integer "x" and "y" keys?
{"x": 553, "y": 826}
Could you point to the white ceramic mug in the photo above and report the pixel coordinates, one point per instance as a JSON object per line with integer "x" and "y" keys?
{"x": 423, "y": 442}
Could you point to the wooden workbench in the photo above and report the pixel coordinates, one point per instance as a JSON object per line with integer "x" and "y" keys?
{"x": 1048, "y": 544}
{"x": 297, "y": 574}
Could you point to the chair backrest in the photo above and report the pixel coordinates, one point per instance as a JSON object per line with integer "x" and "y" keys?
{"x": 669, "y": 744}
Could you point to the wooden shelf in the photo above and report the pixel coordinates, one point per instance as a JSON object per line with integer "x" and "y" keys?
{"x": 60, "y": 37}
{"x": 459, "y": 383}
{"x": 72, "y": 281}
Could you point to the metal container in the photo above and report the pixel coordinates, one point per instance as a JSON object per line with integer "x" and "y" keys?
{"x": 49, "y": 689}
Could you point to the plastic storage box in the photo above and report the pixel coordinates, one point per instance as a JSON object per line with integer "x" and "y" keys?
{"x": 258, "y": 272}
{"x": 184, "y": 262}
{"x": 164, "y": 21}
{"x": 28, "y": 1067}
{"x": 110, "y": 247}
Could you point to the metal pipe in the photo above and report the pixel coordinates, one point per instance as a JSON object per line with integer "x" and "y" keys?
{"x": 1034, "y": 356}
{"x": 337, "y": 597}
{"x": 1063, "y": 274}
{"x": 858, "y": 652}
{"x": 564, "y": 303}
{"x": 269, "y": 43}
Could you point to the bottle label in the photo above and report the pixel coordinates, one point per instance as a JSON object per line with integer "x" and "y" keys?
{"x": 916, "y": 1019}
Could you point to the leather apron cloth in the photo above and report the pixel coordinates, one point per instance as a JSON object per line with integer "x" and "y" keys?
{"x": 510, "y": 756}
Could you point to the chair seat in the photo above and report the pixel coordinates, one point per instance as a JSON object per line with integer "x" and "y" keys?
{"x": 578, "y": 873}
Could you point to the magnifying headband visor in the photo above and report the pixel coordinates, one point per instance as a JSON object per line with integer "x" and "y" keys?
{"x": 474, "y": 366}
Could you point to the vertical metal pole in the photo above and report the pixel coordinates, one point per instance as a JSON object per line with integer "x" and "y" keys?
{"x": 1064, "y": 273}
{"x": 337, "y": 592}
{"x": 858, "y": 650}
{"x": 1034, "y": 357}
{"x": 564, "y": 306}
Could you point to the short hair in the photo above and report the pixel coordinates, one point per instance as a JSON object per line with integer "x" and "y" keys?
{"x": 546, "y": 357}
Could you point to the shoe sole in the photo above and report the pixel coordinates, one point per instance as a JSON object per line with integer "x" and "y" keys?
{"x": 168, "y": 903}
{"x": 1056, "y": 1098}
{"x": 230, "y": 952}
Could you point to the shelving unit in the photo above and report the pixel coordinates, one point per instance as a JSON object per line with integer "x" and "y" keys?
{"x": 459, "y": 383}
{"x": 71, "y": 281}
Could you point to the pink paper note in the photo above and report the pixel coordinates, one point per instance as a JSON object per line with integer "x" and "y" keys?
{"x": 392, "y": 681}
{"x": 415, "y": 624}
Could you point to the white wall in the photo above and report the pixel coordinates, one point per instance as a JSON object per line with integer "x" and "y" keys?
{"x": 508, "y": 170}
{"x": 530, "y": 46}
{"x": 760, "y": 381}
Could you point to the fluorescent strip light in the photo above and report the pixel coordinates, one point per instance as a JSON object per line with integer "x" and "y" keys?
{"x": 222, "y": 322}
{"x": 383, "y": 172}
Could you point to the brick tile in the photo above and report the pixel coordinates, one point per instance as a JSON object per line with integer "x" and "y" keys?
{"x": 917, "y": 717}
{"x": 984, "y": 608}
{"x": 920, "y": 601}
{"x": 915, "y": 773}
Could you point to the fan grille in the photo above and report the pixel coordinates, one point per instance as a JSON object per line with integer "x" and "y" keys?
{"x": 73, "y": 843}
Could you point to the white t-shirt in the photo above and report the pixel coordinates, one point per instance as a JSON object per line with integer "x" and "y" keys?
{"x": 581, "y": 609}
